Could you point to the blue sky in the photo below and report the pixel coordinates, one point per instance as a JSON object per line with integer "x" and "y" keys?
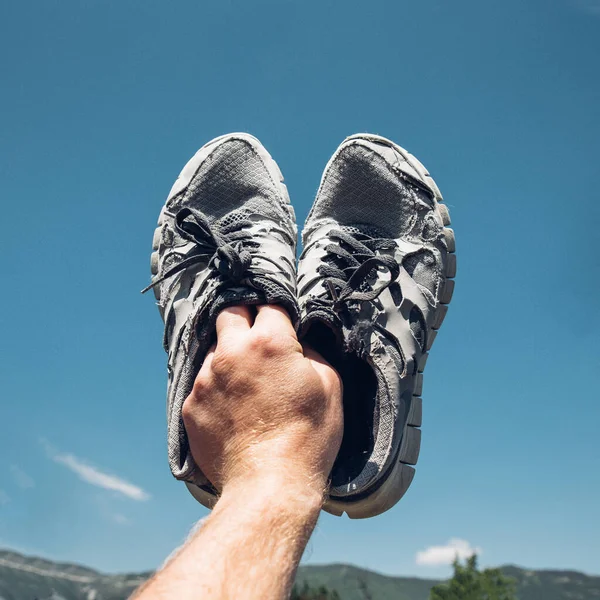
{"x": 103, "y": 102}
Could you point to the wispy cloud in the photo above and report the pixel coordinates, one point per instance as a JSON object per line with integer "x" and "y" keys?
{"x": 24, "y": 481}
{"x": 4, "y": 498}
{"x": 445, "y": 555}
{"x": 95, "y": 476}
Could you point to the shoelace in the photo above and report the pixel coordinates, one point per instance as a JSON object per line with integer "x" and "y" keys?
{"x": 226, "y": 247}
{"x": 345, "y": 284}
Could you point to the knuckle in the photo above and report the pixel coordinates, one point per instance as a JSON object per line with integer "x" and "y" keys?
{"x": 195, "y": 414}
{"x": 270, "y": 344}
{"x": 333, "y": 383}
{"x": 188, "y": 411}
{"x": 201, "y": 386}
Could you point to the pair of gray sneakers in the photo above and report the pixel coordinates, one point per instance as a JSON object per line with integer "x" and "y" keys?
{"x": 369, "y": 293}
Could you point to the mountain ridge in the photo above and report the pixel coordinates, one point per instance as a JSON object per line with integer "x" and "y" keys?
{"x": 33, "y": 578}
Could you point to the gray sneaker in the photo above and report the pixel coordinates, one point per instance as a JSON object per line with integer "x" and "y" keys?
{"x": 226, "y": 236}
{"x": 374, "y": 281}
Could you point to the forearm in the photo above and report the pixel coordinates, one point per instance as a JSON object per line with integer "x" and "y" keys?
{"x": 249, "y": 547}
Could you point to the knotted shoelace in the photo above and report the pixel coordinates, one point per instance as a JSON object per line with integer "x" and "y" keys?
{"x": 228, "y": 249}
{"x": 346, "y": 284}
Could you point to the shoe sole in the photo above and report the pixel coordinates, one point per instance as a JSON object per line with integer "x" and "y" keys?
{"x": 183, "y": 180}
{"x": 395, "y": 485}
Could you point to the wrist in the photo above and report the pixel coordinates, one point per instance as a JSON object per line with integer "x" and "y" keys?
{"x": 301, "y": 495}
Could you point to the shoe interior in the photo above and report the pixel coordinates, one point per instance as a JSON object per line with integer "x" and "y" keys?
{"x": 360, "y": 392}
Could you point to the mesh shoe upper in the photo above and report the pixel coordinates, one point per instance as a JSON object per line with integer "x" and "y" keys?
{"x": 371, "y": 283}
{"x": 226, "y": 236}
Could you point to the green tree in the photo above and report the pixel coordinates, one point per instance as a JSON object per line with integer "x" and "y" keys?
{"x": 468, "y": 583}
{"x": 305, "y": 592}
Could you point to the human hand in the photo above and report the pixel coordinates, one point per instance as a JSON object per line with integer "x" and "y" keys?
{"x": 262, "y": 406}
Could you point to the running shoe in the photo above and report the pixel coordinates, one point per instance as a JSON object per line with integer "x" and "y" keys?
{"x": 226, "y": 236}
{"x": 374, "y": 282}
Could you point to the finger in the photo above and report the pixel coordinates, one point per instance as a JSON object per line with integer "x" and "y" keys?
{"x": 205, "y": 368}
{"x": 233, "y": 319}
{"x": 275, "y": 319}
